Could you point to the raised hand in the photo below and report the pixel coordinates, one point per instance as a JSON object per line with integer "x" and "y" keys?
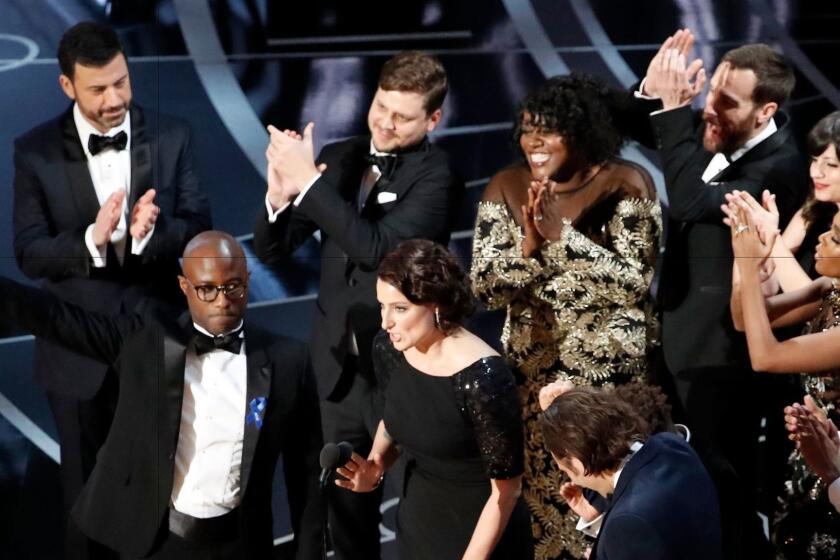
{"x": 816, "y": 438}
{"x": 108, "y": 218}
{"x": 765, "y": 216}
{"x": 533, "y": 240}
{"x": 679, "y": 83}
{"x": 362, "y": 475}
{"x": 554, "y": 390}
{"x": 548, "y": 216}
{"x": 291, "y": 156}
{"x": 144, "y": 215}
{"x": 682, "y": 41}
{"x": 749, "y": 249}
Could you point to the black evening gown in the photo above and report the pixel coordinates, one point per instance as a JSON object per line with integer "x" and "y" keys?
{"x": 457, "y": 433}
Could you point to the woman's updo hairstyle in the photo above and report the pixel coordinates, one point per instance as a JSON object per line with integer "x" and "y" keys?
{"x": 428, "y": 274}
{"x": 826, "y": 132}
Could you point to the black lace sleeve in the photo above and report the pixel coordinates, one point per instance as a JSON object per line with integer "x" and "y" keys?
{"x": 385, "y": 359}
{"x": 487, "y": 395}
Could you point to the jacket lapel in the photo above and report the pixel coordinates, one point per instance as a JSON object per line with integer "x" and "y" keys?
{"x": 258, "y": 390}
{"x": 759, "y": 152}
{"x": 393, "y": 184}
{"x": 176, "y": 340}
{"x": 78, "y": 173}
{"x": 141, "y": 158}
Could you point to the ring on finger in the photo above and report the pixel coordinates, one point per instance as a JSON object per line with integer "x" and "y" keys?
{"x": 741, "y": 228}
{"x": 538, "y": 218}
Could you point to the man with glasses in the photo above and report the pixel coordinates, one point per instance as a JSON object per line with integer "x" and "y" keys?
{"x": 205, "y": 407}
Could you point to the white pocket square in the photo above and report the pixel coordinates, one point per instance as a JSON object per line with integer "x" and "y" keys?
{"x": 386, "y": 197}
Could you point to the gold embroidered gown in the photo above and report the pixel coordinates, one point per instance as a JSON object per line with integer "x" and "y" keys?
{"x": 581, "y": 311}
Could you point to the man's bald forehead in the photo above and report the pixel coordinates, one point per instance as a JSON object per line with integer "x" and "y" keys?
{"x": 214, "y": 244}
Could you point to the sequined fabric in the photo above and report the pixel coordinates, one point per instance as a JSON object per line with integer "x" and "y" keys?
{"x": 582, "y": 311}
{"x": 486, "y": 393}
{"x": 807, "y": 526}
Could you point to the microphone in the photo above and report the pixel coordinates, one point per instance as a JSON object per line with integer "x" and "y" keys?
{"x": 333, "y": 456}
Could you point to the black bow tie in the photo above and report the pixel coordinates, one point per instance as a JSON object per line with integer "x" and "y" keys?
{"x": 98, "y": 143}
{"x": 385, "y": 163}
{"x": 230, "y": 342}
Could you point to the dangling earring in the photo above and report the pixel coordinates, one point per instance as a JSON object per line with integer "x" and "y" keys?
{"x": 437, "y": 318}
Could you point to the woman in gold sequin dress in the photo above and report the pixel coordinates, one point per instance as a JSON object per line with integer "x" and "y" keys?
{"x": 808, "y": 526}
{"x": 566, "y": 241}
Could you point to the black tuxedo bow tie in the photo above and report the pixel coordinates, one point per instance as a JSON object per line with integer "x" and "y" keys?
{"x": 385, "y": 163}
{"x": 230, "y": 342}
{"x": 98, "y": 143}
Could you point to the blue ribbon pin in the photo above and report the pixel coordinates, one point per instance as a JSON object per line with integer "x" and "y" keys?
{"x": 257, "y": 412}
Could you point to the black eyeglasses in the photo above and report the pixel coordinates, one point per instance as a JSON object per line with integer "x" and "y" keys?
{"x": 209, "y": 292}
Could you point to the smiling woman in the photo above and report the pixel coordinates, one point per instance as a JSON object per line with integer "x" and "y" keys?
{"x": 566, "y": 241}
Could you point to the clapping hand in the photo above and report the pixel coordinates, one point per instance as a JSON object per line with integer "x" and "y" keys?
{"x": 533, "y": 238}
{"x": 144, "y": 215}
{"x": 765, "y": 216}
{"x": 749, "y": 249}
{"x": 361, "y": 475}
{"x": 816, "y": 438}
{"x": 668, "y": 77}
{"x": 291, "y": 163}
{"x": 108, "y": 218}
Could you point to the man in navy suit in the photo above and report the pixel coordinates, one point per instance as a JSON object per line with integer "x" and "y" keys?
{"x": 662, "y": 504}
{"x": 106, "y": 196}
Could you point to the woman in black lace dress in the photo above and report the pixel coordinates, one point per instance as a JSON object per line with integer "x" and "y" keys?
{"x": 450, "y": 406}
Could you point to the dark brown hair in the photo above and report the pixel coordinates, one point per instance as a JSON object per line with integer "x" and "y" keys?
{"x": 824, "y": 133}
{"x": 90, "y": 44}
{"x": 428, "y": 274}
{"x": 594, "y": 426}
{"x": 650, "y": 403}
{"x": 774, "y": 75}
{"x": 416, "y": 72}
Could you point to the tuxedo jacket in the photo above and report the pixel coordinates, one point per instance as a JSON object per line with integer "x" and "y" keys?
{"x": 664, "y": 507}
{"x": 696, "y": 281}
{"x": 54, "y": 203}
{"x": 124, "y": 502}
{"x": 420, "y": 201}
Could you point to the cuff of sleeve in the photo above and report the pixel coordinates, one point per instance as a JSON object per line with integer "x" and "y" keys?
{"x": 138, "y": 246}
{"x": 590, "y": 528}
{"x": 305, "y": 190}
{"x": 639, "y": 95}
{"x": 271, "y": 212}
{"x": 97, "y": 254}
{"x": 834, "y": 494}
{"x": 555, "y": 251}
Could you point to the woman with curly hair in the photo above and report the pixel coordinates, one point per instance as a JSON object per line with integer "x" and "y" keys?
{"x": 450, "y": 405}
{"x": 566, "y": 240}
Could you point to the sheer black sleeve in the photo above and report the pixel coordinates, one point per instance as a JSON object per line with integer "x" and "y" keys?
{"x": 488, "y": 397}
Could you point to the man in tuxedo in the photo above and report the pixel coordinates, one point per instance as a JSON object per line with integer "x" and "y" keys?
{"x": 743, "y": 142}
{"x": 603, "y": 444}
{"x": 205, "y": 407}
{"x": 106, "y": 196}
{"x": 367, "y": 195}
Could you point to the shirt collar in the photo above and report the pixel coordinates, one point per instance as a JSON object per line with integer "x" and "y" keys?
{"x": 375, "y": 152}
{"x": 205, "y": 331}
{"x": 755, "y": 140}
{"x": 85, "y": 129}
{"x": 634, "y": 448}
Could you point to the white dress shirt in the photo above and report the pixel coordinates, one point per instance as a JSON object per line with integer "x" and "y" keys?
{"x": 834, "y": 494}
{"x": 209, "y": 455}
{"x": 110, "y": 171}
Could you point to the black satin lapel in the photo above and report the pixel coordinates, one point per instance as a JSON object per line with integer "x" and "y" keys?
{"x": 78, "y": 174}
{"x": 259, "y": 385}
{"x": 141, "y": 157}
{"x": 174, "y": 361}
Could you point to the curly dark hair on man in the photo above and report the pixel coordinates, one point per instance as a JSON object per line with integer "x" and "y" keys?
{"x": 594, "y": 426}
{"x": 579, "y": 108}
{"x": 428, "y": 274}
{"x": 650, "y": 403}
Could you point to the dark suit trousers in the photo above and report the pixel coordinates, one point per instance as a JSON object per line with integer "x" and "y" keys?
{"x": 721, "y": 412}
{"x": 82, "y": 428}
{"x": 351, "y": 414}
